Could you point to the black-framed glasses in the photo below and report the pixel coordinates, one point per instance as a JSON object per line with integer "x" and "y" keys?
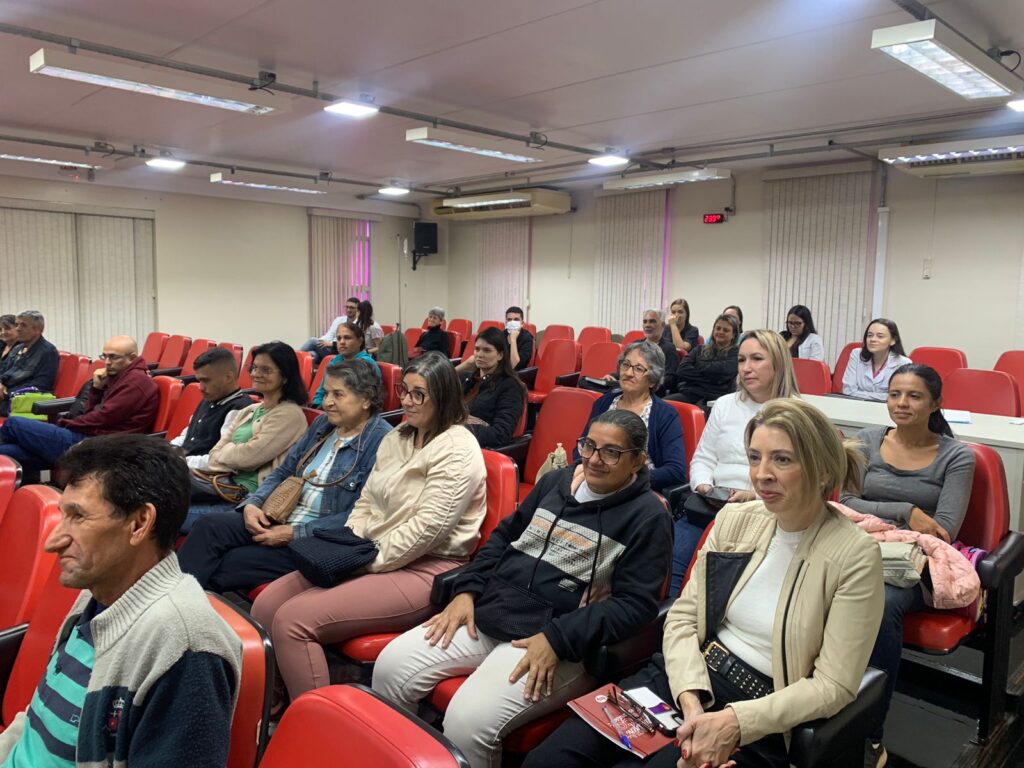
{"x": 630, "y": 710}
{"x": 417, "y": 396}
{"x": 609, "y": 454}
{"x": 636, "y": 368}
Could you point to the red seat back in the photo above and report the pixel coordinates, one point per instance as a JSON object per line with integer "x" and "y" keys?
{"x": 489, "y": 324}
{"x": 561, "y": 420}
{"x": 305, "y": 361}
{"x": 234, "y": 349}
{"x": 10, "y": 476}
{"x": 632, "y": 336}
{"x": 244, "y": 377}
{"x": 32, "y": 513}
{"x": 175, "y": 352}
{"x": 502, "y": 491}
{"x": 691, "y": 417}
{"x": 469, "y": 350}
{"x": 1012, "y": 362}
{"x": 154, "y": 346}
{"x": 252, "y": 713}
{"x": 169, "y": 391}
{"x": 347, "y": 726}
{"x": 412, "y": 335}
{"x": 561, "y": 358}
{"x": 189, "y": 400}
{"x": 551, "y": 334}
{"x": 812, "y": 376}
{"x": 529, "y": 327}
{"x": 454, "y": 343}
{"x": 593, "y": 334}
{"x": 988, "y": 512}
{"x": 318, "y": 379}
{"x": 390, "y": 375}
{"x": 944, "y": 360}
{"x": 54, "y": 603}
{"x": 311, "y": 414}
{"x": 198, "y": 347}
{"x": 980, "y": 391}
{"x": 841, "y": 363}
{"x": 72, "y": 368}
{"x": 462, "y": 327}
{"x": 387, "y": 329}
{"x": 600, "y": 358}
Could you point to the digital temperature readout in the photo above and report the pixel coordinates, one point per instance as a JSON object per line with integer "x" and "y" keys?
{"x": 714, "y": 218}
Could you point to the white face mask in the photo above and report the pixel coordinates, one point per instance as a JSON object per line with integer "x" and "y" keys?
{"x": 513, "y": 325}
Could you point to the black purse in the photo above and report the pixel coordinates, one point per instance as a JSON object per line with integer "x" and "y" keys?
{"x": 327, "y": 558}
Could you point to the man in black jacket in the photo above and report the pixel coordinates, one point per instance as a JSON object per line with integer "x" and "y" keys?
{"x": 32, "y": 363}
{"x": 520, "y": 340}
{"x": 582, "y": 563}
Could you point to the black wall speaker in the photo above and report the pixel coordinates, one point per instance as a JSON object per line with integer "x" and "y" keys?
{"x": 424, "y": 237}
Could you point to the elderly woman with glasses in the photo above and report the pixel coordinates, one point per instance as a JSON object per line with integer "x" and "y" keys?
{"x": 581, "y": 564}
{"x": 422, "y": 505}
{"x": 641, "y": 370}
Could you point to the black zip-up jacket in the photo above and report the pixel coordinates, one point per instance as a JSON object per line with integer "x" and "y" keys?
{"x": 601, "y": 566}
{"x": 500, "y": 402}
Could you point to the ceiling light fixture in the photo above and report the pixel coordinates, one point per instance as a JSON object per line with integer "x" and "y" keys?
{"x": 393, "y": 190}
{"x": 938, "y": 52}
{"x": 50, "y": 161}
{"x": 153, "y": 82}
{"x": 1017, "y": 105}
{"x": 219, "y": 178}
{"x": 165, "y": 163}
{"x": 608, "y": 161}
{"x": 364, "y": 107}
{"x": 667, "y": 178}
{"x": 482, "y": 201}
{"x": 475, "y": 145}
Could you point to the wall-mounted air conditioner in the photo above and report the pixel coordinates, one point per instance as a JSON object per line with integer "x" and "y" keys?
{"x": 504, "y": 205}
{"x": 974, "y": 157}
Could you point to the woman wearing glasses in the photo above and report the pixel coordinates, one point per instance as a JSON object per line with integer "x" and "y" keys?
{"x": 800, "y": 335}
{"x": 641, "y": 370}
{"x": 580, "y": 564}
{"x": 777, "y": 620}
{"x": 257, "y": 440}
{"x": 422, "y": 505}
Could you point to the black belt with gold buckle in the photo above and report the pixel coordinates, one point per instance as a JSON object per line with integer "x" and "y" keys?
{"x": 735, "y": 670}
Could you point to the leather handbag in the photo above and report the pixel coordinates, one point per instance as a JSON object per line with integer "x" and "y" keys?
{"x": 221, "y": 484}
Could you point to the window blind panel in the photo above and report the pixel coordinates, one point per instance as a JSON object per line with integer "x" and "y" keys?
{"x": 145, "y": 277}
{"x": 629, "y": 259}
{"x": 38, "y": 270}
{"x": 107, "y": 282}
{"x": 819, "y": 253}
{"x": 502, "y": 266}
{"x": 339, "y": 266}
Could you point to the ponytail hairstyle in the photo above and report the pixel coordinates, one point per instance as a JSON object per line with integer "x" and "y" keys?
{"x": 933, "y": 383}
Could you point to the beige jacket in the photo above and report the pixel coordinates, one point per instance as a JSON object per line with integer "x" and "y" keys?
{"x": 272, "y": 437}
{"x": 427, "y": 501}
{"x": 826, "y": 621}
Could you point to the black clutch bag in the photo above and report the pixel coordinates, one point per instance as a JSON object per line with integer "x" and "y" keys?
{"x": 327, "y": 558}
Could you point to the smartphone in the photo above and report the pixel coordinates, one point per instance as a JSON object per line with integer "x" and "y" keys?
{"x": 664, "y": 716}
{"x": 718, "y": 493}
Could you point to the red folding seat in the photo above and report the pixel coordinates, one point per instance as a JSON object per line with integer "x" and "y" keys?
{"x": 454, "y": 344}
{"x": 305, "y": 361}
{"x": 174, "y": 354}
{"x": 72, "y": 370}
{"x": 552, "y": 333}
{"x": 691, "y": 417}
{"x": 32, "y": 514}
{"x": 632, "y": 336}
{"x": 244, "y": 375}
{"x": 560, "y": 420}
{"x": 154, "y": 346}
{"x": 387, "y": 329}
{"x": 1012, "y": 362}
{"x": 235, "y": 349}
{"x": 311, "y": 414}
{"x": 812, "y": 376}
{"x": 391, "y": 375}
{"x": 593, "y": 334}
{"x": 470, "y": 349}
{"x": 187, "y": 368}
{"x": 561, "y": 358}
{"x": 169, "y": 391}
{"x": 944, "y": 360}
{"x": 412, "y": 335}
{"x": 10, "y": 479}
{"x": 841, "y": 363}
{"x": 980, "y": 391}
{"x": 600, "y": 359}
{"x": 463, "y": 327}
{"x": 185, "y": 408}
{"x": 490, "y": 324}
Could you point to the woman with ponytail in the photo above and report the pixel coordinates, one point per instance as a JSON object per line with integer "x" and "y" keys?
{"x": 919, "y": 477}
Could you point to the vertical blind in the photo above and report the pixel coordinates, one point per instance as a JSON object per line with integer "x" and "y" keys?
{"x": 339, "y": 266}
{"x": 820, "y": 254}
{"x": 91, "y": 276}
{"x": 502, "y": 266}
{"x": 630, "y": 258}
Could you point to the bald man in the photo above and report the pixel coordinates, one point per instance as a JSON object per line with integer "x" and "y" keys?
{"x": 123, "y": 398}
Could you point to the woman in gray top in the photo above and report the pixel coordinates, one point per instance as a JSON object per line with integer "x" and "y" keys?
{"x": 919, "y": 477}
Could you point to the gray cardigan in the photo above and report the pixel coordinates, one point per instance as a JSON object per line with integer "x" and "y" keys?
{"x": 942, "y": 489}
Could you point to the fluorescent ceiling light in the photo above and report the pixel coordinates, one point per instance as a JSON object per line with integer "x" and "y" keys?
{"x": 1017, "y": 105}
{"x": 608, "y": 161}
{"x": 219, "y": 178}
{"x": 352, "y": 108}
{"x": 50, "y": 161}
{"x": 165, "y": 163}
{"x": 393, "y": 191}
{"x": 936, "y": 51}
{"x": 482, "y": 201}
{"x": 154, "y": 82}
{"x": 667, "y": 178}
{"x": 475, "y": 145}
{"x": 952, "y": 151}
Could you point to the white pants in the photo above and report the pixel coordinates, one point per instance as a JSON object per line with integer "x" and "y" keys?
{"x": 487, "y": 707}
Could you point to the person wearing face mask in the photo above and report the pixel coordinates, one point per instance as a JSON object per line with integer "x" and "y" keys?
{"x": 520, "y": 341}
{"x": 351, "y": 346}
{"x": 870, "y": 367}
{"x": 494, "y": 395}
{"x": 323, "y": 346}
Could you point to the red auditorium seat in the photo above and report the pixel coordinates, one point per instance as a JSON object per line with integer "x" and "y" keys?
{"x": 249, "y": 725}
{"x": 387, "y": 329}
{"x": 593, "y": 334}
{"x": 470, "y": 349}
{"x": 311, "y": 414}
{"x": 305, "y": 361}
{"x": 462, "y": 327}
{"x": 691, "y": 417}
{"x": 244, "y": 376}
{"x": 500, "y": 325}
{"x": 390, "y": 376}
{"x": 32, "y": 514}
{"x": 169, "y": 391}
{"x": 154, "y": 346}
{"x": 632, "y": 336}
{"x": 234, "y": 349}
{"x": 187, "y": 368}
{"x": 841, "y": 363}
{"x": 599, "y": 359}
{"x": 944, "y": 360}
{"x": 986, "y": 525}
{"x": 454, "y": 343}
{"x": 174, "y": 354}
{"x": 561, "y": 358}
{"x": 561, "y": 420}
{"x": 980, "y": 391}
{"x": 551, "y": 334}
{"x": 812, "y": 376}
{"x": 1012, "y": 362}
{"x": 186, "y": 406}
{"x": 72, "y": 370}
{"x": 318, "y": 379}
{"x": 10, "y": 479}
{"x": 350, "y": 726}
{"x": 412, "y": 335}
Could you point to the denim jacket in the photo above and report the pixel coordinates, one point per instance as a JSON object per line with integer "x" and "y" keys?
{"x": 338, "y": 499}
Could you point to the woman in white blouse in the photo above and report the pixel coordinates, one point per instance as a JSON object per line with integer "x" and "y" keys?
{"x": 801, "y": 336}
{"x": 870, "y": 367}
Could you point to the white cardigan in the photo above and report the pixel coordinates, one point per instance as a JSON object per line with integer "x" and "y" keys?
{"x": 720, "y": 458}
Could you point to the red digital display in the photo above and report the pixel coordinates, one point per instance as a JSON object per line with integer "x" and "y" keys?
{"x": 714, "y": 218}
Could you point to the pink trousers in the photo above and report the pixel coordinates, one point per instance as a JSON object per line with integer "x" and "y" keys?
{"x": 302, "y": 618}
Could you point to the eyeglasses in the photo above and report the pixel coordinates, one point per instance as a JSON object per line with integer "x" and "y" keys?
{"x": 262, "y": 370}
{"x": 111, "y": 358}
{"x": 630, "y": 710}
{"x": 638, "y": 369}
{"x": 416, "y": 396}
{"x": 609, "y": 454}
{"x": 795, "y": 323}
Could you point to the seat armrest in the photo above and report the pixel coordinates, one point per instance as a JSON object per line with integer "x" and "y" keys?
{"x": 394, "y": 418}
{"x": 613, "y": 662}
{"x": 10, "y": 644}
{"x": 820, "y": 743}
{"x": 567, "y": 380}
{"x": 674, "y": 496}
{"x": 151, "y": 366}
{"x": 1001, "y": 565}
{"x": 187, "y": 379}
{"x": 528, "y": 376}
{"x": 441, "y": 592}
{"x": 53, "y": 407}
{"x": 517, "y": 451}
{"x": 165, "y": 371}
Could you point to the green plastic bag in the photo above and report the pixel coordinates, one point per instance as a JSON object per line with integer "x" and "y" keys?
{"x": 21, "y": 405}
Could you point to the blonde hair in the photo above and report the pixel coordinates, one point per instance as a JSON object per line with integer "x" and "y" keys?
{"x": 827, "y": 461}
{"x": 783, "y": 378}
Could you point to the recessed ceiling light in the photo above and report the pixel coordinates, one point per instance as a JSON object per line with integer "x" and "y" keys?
{"x": 219, "y": 178}
{"x": 50, "y": 161}
{"x": 1017, "y": 105}
{"x": 609, "y": 161}
{"x": 462, "y": 141}
{"x": 165, "y": 163}
{"x": 349, "y": 108}
{"x": 393, "y": 191}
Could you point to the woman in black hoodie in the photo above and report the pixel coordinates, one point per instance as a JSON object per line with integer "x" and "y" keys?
{"x": 582, "y": 563}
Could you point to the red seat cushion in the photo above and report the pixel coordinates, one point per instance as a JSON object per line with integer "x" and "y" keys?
{"x": 529, "y": 737}
{"x": 255, "y": 591}
{"x": 536, "y": 397}
{"x": 936, "y": 631}
{"x": 524, "y": 490}
{"x": 366, "y": 648}
{"x": 443, "y": 692}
